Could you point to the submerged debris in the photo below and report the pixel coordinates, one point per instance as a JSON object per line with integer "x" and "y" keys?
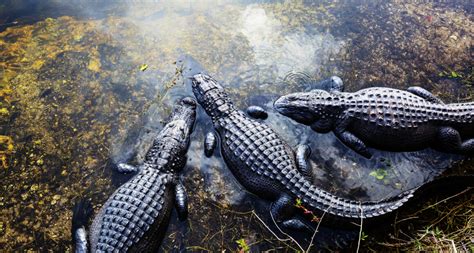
{"x": 143, "y": 67}
{"x": 6, "y": 149}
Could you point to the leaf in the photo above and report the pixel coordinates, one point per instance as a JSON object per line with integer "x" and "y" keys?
{"x": 143, "y": 67}
{"x": 379, "y": 174}
{"x": 363, "y": 236}
{"x": 243, "y": 246}
{"x": 299, "y": 202}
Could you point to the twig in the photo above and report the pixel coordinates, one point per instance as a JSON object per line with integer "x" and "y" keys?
{"x": 289, "y": 236}
{"x": 453, "y": 244}
{"x": 268, "y": 228}
{"x": 274, "y": 234}
{"x": 448, "y": 198}
{"x": 197, "y": 248}
{"x": 316, "y": 231}
{"x": 408, "y": 218}
{"x": 361, "y": 223}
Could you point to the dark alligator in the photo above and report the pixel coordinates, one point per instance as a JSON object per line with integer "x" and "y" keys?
{"x": 136, "y": 215}
{"x": 266, "y": 166}
{"x": 385, "y": 118}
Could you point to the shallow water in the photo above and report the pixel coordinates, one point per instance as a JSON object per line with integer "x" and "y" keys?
{"x": 75, "y": 102}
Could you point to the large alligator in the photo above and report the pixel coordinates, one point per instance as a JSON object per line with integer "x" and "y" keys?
{"x": 384, "y": 118}
{"x": 266, "y": 166}
{"x": 136, "y": 215}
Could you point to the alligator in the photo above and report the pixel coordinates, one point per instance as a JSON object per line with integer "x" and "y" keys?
{"x": 136, "y": 215}
{"x": 384, "y": 118}
{"x": 266, "y": 166}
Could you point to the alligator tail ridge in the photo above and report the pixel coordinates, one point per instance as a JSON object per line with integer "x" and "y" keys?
{"x": 326, "y": 202}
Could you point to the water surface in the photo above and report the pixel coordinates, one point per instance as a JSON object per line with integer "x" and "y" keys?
{"x": 75, "y": 101}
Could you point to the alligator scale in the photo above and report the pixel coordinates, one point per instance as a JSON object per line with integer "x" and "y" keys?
{"x": 266, "y": 165}
{"x": 136, "y": 215}
{"x": 385, "y": 118}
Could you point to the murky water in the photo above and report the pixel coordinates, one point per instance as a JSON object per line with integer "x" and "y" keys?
{"x": 77, "y": 98}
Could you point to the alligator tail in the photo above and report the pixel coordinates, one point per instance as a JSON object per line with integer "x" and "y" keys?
{"x": 81, "y": 215}
{"x": 326, "y": 202}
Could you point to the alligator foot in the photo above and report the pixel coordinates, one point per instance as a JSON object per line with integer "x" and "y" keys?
{"x": 296, "y": 224}
{"x": 332, "y": 84}
{"x": 257, "y": 112}
{"x": 210, "y": 143}
{"x": 336, "y": 84}
{"x": 428, "y": 96}
{"x": 181, "y": 201}
{"x": 81, "y": 214}
{"x": 283, "y": 210}
{"x": 303, "y": 152}
{"x": 127, "y": 168}
{"x": 450, "y": 141}
{"x": 353, "y": 142}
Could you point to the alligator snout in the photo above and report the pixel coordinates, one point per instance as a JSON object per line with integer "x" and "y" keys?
{"x": 294, "y": 106}
{"x": 189, "y": 101}
{"x": 281, "y": 104}
{"x": 197, "y": 79}
{"x": 288, "y": 104}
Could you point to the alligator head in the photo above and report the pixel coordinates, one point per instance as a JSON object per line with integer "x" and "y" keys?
{"x": 179, "y": 127}
{"x": 309, "y": 107}
{"x": 211, "y": 96}
{"x": 181, "y": 121}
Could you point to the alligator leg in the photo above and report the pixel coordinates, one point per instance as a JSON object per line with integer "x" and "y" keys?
{"x": 450, "y": 141}
{"x": 210, "y": 143}
{"x": 303, "y": 152}
{"x": 350, "y": 140}
{"x": 428, "y": 96}
{"x": 353, "y": 142}
{"x": 127, "y": 168}
{"x": 336, "y": 84}
{"x": 332, "y": 84}
{"x": 323, "y": 126}
{"x": 80, "y": 217}
{"x": 257, "y": 112}
{"x": 283, "y": 210}
{"x": 181, "y": 201}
